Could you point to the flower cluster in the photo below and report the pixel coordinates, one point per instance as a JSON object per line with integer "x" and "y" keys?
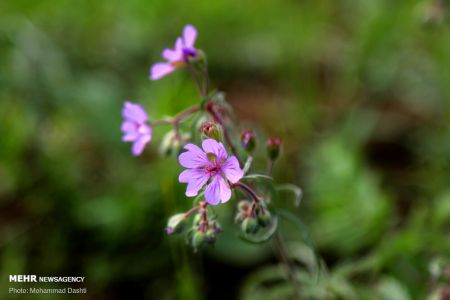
{"x": 214, "y": 167}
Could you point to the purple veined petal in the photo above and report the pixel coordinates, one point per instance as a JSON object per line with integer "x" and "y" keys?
{"x": 193, "y": 158}
{"x": 215, "y": 147}
{"x": 196, "y": 179}
{"x": 189, "y": 36}
{"x": 232, "y": 170}
{"x": 134, "y": 112}
{"x": 139, "y": 144}
{"x": 160, "y": 70}
{"x": 217, "y": 191}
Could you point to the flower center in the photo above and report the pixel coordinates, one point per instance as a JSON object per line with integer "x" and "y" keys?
{"x": 215, "y": 165}
{"x": 189, "y": 53}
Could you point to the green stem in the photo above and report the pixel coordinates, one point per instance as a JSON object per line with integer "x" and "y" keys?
{"x": 218, "y": 119}
{"x": 283, "y": 256}
{"x": 248, "y": 190}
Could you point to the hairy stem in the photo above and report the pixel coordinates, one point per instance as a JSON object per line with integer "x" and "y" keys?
{"x": 270, "y": 164}
{"x": 248, "y": 190}
{"x": 203, "y": 91}
{"x": 226, "y": 134}
{"x": 179, "y": 117}
{"x": 191, "y": 211}
{"x": 282, "y": 254}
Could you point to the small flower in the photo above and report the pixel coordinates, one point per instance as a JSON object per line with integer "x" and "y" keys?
{"x": 177, "y": 57}
{"x": 135, "y": 127}
{"x": 210, "y": 166}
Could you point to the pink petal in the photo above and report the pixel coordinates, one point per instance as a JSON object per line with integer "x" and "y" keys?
{"x": 179, "y": 45}
{"x": 232, "y": 170}
{"x": 160, "y": 69}
{"x": 134, "y": 112}
{"x": 217, "y": 191}
{"x": 196, "y": 179}
{"x": 214, "y": 147}
{"x": 193, "y": 158}
{"x": 172, "y": 55}
{"x": 189, "y": 35}
{"x": 139, "y": 145}
{"x": 128, "y": 126}
{"x": 144, "y": 129}
{"x": 130, "y": 137}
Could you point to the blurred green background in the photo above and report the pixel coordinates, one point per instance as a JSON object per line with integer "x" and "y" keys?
{"x": 358, "y": 91}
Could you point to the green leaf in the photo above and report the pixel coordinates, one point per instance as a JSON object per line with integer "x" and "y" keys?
{"x": 287, "y": 215}
{"x": 288, "y": 188}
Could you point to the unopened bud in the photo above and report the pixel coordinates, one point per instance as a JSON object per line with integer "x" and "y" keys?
{"x": 176, "y": 224}
{"x": 216, "y": 226}
{"x": 273, "y": 147}
{"x": 211, "y": 130}
{"x": 264, "y": 217}
{"x": 199, "y": 239}
{"x": 211, "y": 236}
{"x": 244, "y": 205}
{"x": 197, "y": 219}
{"x": 250, "y": 225}
{"x": 172, "y": 142}
{"x": 248, "y": 140}
{"x": 240, "y": 216}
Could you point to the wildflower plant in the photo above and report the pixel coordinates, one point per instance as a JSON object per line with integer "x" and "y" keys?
{"x": 217, "y": 170}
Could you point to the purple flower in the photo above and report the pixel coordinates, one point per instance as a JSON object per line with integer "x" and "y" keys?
{"x": 177, "y": 57}
{"x": 135, "y": 127}
{"x": 210, "y": 166}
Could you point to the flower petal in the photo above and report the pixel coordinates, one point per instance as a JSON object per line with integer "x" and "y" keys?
{"x": 189, "y": 35}
{"x": 128, "y": 126}
{"x": 139, "y": 145}
{"x": 171, "y": 55}
{"x": 130, "y": 137}
{"x": 193, "y": 158}
{"x": 232, "y": 170}
{"x": 217, "y": 191}
{"x": 179, "y": 45}
{"x": 215, "y": 147}
{"x": 160, "y": 70}
{"x": 196, "y": 179}
{"x": 134, "y": 112}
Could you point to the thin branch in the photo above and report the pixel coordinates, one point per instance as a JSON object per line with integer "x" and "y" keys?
{"x": 218, "y": 119}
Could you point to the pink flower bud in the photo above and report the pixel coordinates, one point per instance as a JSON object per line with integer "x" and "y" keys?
{"x": 273, "y": 147}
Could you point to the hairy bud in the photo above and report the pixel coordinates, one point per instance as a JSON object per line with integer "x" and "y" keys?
{"x": 264, "y": 217}
{"x": 171, "y": 143}
{"x": 199, "y": 239}
{"x": 211, "y": 130}
{"x": 176, "y": 224}
{"x": 248, "y": 140}
{"x": 250, "y": 225}
{"x": 273, "y": 147}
